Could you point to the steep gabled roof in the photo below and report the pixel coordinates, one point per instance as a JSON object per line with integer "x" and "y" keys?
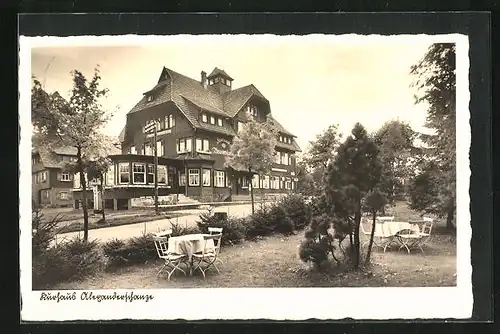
{"x": 121, "y": 136}
{"x": 191, "y": 97}
{"x": 234, "y": 100}
{"x": 49, "y": 157}
{"x": 280, "y": 127}
{"x": 293, "y": 146}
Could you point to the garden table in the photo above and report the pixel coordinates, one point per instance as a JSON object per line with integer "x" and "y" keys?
{"x": 390, "y": 230}
{"x": 189, "y": 244}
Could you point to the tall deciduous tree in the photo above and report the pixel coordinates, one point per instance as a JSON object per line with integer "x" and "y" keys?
{"x": 253, "y": 150}
{"x": 395, "y": 140}
{"x": 355, "y": 170}
{"x": 319, "y": 154}
{"x": 322, "y": 150}
{"x": 75, "y": 123}
{"x": 435, "y": 82}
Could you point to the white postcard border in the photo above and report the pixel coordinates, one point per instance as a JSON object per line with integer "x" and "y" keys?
{"x": 275, "y": 303}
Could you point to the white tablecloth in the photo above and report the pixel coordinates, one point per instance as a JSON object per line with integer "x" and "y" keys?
{"x": 389, "y": 228}
{"x": 189, "y": 244}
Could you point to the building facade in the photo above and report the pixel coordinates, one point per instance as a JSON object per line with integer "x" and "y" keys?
{"x": 195, "y": 119}
{"x": 51, "y": 185}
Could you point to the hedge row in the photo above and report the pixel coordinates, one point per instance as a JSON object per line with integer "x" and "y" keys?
{"x": 76, "y": 259}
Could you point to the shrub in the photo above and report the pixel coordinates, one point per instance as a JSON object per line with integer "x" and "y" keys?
{"x": 312, "y": 251}
{"x": 140, "y": 250}
{"x": 43, "y": 232}
{"x": 259, "y": 224}
{"x": 297, "y": 209}
{"x": 234, "y": 228}
{"x": 73, "y": 260}
{"x": 116, "y": 253}
{"x": 279, "y": 220}
{"x": 178, "y": 230}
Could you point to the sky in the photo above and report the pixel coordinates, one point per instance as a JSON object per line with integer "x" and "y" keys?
{"x": 310, "y": 84}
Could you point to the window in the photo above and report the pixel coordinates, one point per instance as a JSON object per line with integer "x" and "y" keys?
{"x": 124, "y": 172}
{"x": 219, "y": 178}
{"x": 275, "y": 182}
{"x": 110, "y": 176}
{"x": 162, "y": 174}
{"x": 219, "y": 121}
{"x": 43, "y": 176}
{"x": 149, "y": 98}
{"x": 204, "y": 118}
{"x": 46, "y": 194}
{"x": 288, "y": 185}
{"x": 216, "y": 80}
{"x": 169, "y": 121}
{"x": 252, "y": 110}
{"x": 160, "y": 148}
{"x": 182, "y": 178}
{"x": 183, "y": 145}
{"x": 281, "y": 138}
{"x": 284, "y": 159}
{"x": 206, "y": 177}
{"x": 244, "y": 182}
{"x": 277, "y": 157}
{"x": 202, "y": 145}
{"x": 65, "y": 177}
{"x": 148, "y": 150}
{"x": 63, "y": 195}
{"x": 139, "y": 173}
{"x": 255, "y": 181}
{"x": 212, "y": 120}
{"x": 133, "y": 150}
{"x": 293, "y": 185}
{"x": 194, "y": 177}
{"x": 265, "y": 182}
{"x": 151, "y": 174}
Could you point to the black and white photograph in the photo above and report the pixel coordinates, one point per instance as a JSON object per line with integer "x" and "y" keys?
{"x": 259, "y": 173}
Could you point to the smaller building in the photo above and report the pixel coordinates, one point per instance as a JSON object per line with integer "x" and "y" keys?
{"x": 131, "y": 176}
{"x": 51, "y": 185}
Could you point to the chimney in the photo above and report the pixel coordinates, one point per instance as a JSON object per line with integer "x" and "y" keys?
{"x": 204, "y": 79}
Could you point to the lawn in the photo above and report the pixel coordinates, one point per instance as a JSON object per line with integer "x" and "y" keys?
{"x": 273, "y": 262}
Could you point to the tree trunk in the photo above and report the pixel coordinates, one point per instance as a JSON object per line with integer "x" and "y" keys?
{"x": 449, "y": 218}
{"x": 83, "y": 182}
{"x": 370, "y": 244}
{"x": 357, "y": 219}
{"x": 103, "y": 201}
{"x": 251, "y": 191}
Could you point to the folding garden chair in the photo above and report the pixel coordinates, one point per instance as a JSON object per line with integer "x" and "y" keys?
{"x": 207, "y": 258}
{"x": 413, "y": 240}
{"x": 216, "y": 230}
{"x": 379, "y": 239}
{"x": 172, "y": 261}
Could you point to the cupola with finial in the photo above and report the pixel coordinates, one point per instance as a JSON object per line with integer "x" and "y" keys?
{"x": 220, "y": 80}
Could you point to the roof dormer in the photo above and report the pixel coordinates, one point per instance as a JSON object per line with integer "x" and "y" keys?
{"x": 220, "y": 80}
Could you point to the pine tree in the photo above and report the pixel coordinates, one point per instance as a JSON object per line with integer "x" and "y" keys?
{"x": 435, "y": 81}
{"x": 355, "y": 170}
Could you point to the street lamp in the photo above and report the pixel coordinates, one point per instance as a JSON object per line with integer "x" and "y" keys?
{"x": 152, "y": 127}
